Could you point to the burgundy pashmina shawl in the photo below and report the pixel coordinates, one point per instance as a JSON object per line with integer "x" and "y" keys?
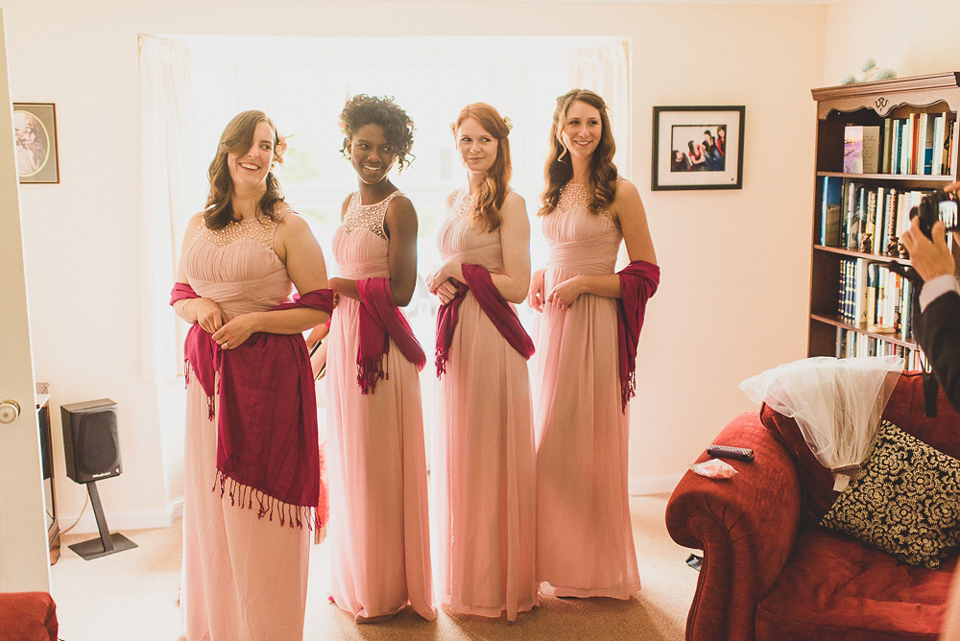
{"x": 380, "y": 320}
{"x": 503, "y": 315}
{"x": 638, "y": 282}
{"x": 267, "y": 433}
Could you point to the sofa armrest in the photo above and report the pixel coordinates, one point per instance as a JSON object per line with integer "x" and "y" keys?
{"x": 746, "y": 527}
{"x": 27, "y": 616}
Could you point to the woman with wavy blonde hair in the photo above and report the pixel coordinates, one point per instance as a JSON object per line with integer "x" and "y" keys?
{"x": 586, "y": 344}
{"x": 485, "y": 508}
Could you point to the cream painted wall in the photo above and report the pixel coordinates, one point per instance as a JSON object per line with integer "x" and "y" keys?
{"x": 912, "y": 39}
{"x": 735, "y": 263}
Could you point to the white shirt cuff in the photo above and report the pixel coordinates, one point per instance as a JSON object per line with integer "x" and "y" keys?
{"x": 937, "y": 287}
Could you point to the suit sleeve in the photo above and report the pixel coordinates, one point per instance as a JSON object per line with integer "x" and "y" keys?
{"x": 938, "y": 332}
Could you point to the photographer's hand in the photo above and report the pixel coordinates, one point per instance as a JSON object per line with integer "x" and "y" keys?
{"x": 930, "y": 258}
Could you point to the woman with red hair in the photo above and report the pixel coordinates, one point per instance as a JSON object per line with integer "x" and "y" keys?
{"x": 485, "y": 507}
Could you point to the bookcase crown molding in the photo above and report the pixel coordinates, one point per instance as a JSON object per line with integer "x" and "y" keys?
{"x": 885, "y": 95}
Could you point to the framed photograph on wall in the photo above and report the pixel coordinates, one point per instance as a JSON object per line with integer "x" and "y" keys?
{"x": 697, "y": 148}
{"x": 35, "y": 139}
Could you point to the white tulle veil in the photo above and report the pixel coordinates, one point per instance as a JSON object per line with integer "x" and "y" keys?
{"x": 836, "y": 402}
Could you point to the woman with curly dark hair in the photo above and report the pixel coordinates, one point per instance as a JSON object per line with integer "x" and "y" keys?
{"x": 586, "y": 350}
{"x": 251, "y": 457}
{"x": 485, "y": 506}
{"x": 378, "y": 477}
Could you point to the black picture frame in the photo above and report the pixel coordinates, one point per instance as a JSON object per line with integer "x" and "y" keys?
{"x": 35, "y": 139}
{"x": 682, "y": 154}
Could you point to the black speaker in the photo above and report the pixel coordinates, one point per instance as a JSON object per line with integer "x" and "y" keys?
{"x": 90, "y": 443}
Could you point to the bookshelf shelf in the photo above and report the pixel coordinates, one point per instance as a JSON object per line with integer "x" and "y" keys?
{"x": 838, "y": 322}
{"x": 893, "y": 178}
{"x": 880, "y": 146}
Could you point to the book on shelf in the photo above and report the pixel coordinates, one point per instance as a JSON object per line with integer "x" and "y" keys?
{"x": 861, "y": 148}
{"x": 936, "y": 162}
{"x": 887, "y": 152}
{"x": 830, "y": 208}
{"x": 951, "y": 127}
{"x": 853, "y": 344}
{"x": 871, "y": 297}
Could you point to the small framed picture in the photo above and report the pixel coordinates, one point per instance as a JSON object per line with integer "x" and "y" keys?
{"x": 697, "y": 148}
{"x": 35, "y": 139}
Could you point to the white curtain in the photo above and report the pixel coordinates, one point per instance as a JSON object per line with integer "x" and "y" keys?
{"x": 605, "y": 70}
{"x": 172, "y": 187}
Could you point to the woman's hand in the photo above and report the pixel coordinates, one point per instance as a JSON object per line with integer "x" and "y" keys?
{"x": 536, "y": 297}
{"x": 447, "y": 291}
{"x": 931, "y": 258}
{"x": 236, "y": 331}
{"x": 209, "y": 314}
{"x": 563, "y": 294}
{"x": 447, "y": 272}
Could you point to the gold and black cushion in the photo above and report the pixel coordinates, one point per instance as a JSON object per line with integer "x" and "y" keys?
{"x": 906, "y": 500}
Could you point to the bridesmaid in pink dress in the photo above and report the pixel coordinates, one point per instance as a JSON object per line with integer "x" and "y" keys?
{"x": 485, "y": 506}
{"x": 379, "y": 526}
{"x": 251, "y": 461}
{"x": 586, "y": 345}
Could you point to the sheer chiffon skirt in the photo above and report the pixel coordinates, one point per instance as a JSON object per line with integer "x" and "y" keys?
{"x": 379, "y": 525}
{"x": 485, "y": 474}
{"x": 585, "y": 541}
{"x": 244, "y": 577}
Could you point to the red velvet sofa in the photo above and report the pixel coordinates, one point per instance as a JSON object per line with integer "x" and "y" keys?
{"x": 769, "y": 573}
{"x": 27, "y": 616}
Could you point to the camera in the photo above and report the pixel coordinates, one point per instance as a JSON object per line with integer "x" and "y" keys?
{"x": 937, "y": 205}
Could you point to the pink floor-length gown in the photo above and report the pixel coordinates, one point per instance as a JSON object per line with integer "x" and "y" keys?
{"x": 485, "y": 476}
{"x": 379, "y": 525}
{"x": 584, "y": 534}
{"x": 244, "y": 577}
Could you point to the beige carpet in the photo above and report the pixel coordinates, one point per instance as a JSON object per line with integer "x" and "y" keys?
{"x": 132, "y": 595}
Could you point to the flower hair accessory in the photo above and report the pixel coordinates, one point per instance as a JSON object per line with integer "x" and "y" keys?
{"x": 508, "y": 123}
{"x": 342, "y": 124}
{"x": 280, "y": 149}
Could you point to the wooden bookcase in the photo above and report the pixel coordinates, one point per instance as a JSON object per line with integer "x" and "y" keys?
{"x": 880, "y": 103}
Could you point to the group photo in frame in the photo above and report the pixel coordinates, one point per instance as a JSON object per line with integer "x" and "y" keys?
{"x": 697, "y": 148}
{"x": 35, "y": 139}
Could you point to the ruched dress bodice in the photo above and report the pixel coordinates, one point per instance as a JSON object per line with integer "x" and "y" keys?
{"x": 360, "y": 244}
{"x": 237, "y": 267}
{"x": 580, "y": 241}
{"x": 459, "y": 239}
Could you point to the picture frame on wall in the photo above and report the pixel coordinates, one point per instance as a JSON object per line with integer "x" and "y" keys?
{"x": 35, "y": 139}
{"x": 697, "y": 148}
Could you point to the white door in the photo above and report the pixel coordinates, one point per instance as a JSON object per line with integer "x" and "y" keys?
{"x": 24, "y": 561}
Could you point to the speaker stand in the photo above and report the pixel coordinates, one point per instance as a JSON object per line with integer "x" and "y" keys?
{"x": 107, "y": 543}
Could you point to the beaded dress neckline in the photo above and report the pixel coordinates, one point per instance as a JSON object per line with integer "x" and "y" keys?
{"x": 369, "y": 217}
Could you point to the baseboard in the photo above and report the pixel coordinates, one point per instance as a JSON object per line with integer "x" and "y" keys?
{"x": 642, "y": 485}
{"x": 117, "y": 521}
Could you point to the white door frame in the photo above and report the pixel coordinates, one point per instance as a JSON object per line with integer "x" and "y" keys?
{"x": 24, "y": 555}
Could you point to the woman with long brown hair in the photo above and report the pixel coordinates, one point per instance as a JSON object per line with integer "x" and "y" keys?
{"x": 251, "y": 459}
{"x": 485, "y": 506}
{"x": 586, "y": 348}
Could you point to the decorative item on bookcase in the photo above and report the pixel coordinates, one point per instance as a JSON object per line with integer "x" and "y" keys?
{"x": 881, "y": 147}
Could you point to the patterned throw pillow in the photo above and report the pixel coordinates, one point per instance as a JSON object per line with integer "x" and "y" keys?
{"x": 906, "y": 501}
